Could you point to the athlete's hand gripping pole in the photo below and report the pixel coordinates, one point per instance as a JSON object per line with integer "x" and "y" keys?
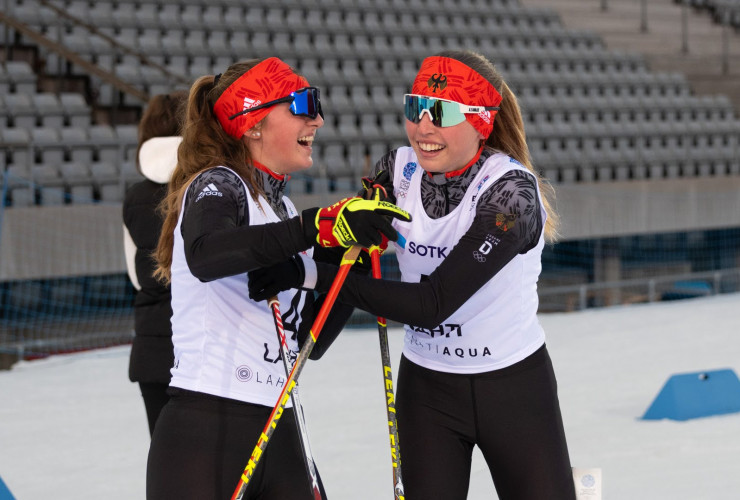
{"x": 349, "y": 258}
{"x": 385, "y": 357}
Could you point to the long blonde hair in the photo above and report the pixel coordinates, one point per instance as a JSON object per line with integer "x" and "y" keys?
{"x": 508, "y": 131}
{"x": 205, "y": 145}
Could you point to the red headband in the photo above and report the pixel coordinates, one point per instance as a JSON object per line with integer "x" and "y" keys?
{"x": 269, "y": 80}
{"x": 450, "y": 79}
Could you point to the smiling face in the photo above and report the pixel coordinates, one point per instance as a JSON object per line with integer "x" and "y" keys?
{"x": 283, "y": 141}
{"x": 443, "y": 149}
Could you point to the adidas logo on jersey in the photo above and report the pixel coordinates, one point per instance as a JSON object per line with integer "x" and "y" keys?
{"x": 209, "y": 190}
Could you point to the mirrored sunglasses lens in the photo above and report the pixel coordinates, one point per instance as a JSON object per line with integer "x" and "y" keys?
{"x": 442, "y": 113}
{"x": 413, "y": 108}
{"x": 450, "y": 114}
{"x": 306, "y": 102}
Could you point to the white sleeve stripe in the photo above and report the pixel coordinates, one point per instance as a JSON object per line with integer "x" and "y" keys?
{"x": 311, "y": 273}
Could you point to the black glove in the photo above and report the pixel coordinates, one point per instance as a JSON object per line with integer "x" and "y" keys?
{"x": 334, "y": 255}
{"x": 269, "y": 281}
{"x": 378, "y": 188}
{"x": 352, "y": 221}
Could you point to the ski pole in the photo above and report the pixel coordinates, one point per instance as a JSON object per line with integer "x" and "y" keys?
{"x": 349, "y": 258}
{"x": 300, "y": 418}
{"x": 390, "y": 406}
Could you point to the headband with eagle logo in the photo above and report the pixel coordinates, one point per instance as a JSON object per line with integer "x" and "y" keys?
{"x": 450, "y": 79}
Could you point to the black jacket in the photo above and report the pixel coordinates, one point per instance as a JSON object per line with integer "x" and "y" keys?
{"x": 152, "y": 352}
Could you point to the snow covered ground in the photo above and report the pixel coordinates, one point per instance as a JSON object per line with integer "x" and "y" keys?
{"x": 73, "y": 426}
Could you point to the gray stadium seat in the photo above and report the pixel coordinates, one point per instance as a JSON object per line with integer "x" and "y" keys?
{"x": 124, "y": 15}
{"x": 196, "y": 44}
{"x": 16, "y": 143}
{"x": 169, "y": 15}
{"x": 212, "y": 16}
{"x": 150, "y": 44}
{"x": 360, "y": 100}
{"x": 147, "y": 15}
{"x": 381, "y": 100}
{"x": 130, "y": 174}
{"x": 21, "y": 193}
{"x": 337, "y": 99}
{"x": 101, "y": 14}
{"x": 334, "y": 160}
{"x": 21, "y": 110}
{"x": 77, "y": 145}
{"x": 393, "y": 127}
{"x": 347, "y": 127}
{"x": 173, "y": 44}
{"x": 22, "y": 76}
{"x": 370, "y": 130}
{"x": 79, "y": 180}
{"x": 76, "y": 110}
{"x": 5, "y": 80}
{"x": 49, "y": 183}
{"x": 106, "y": 179}
{"x": 254, "y": 16}
{"x": 191, "y": 16}
{"x": 105, "y": 142}
{"x": 128, "y": 137}
{"x": 48, "y": 146}
{"x": 49, "y": 109}
{"x": 239, "y": 44}
{"x": 217, "y": 43}
{"x": 233, "y": 17}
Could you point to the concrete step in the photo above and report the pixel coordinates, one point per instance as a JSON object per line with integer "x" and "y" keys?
{"x": 671, "y": 36}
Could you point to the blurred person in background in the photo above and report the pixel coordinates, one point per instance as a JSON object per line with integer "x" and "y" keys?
{"x": 151, "y": 353}
{"x": 475, "y": 370}
{"x": 245, "y": 132}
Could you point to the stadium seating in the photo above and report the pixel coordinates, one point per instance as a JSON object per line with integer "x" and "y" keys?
{"x": 591, "y": 114}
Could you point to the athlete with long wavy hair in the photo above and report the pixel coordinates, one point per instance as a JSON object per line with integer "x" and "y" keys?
{"x": 244, "y": 133}
{"x": 475, "y": 370}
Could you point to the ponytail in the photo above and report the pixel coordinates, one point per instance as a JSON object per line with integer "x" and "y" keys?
{"x": 508, "y": 137}
{"x": 508, "y": 134}
{"x": 204, "y": 145}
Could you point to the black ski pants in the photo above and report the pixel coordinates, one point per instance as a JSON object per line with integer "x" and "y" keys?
{"x": 202, "y": 443}
{"x": 512, "y": 415}
{"x": 155, "y": 397}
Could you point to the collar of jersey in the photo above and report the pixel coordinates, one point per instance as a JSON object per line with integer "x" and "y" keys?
{"x": 273, "y": 184}
{"x": 265, "y": 169}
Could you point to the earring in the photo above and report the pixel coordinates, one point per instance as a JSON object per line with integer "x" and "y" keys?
{"x": 256, "y": 134}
